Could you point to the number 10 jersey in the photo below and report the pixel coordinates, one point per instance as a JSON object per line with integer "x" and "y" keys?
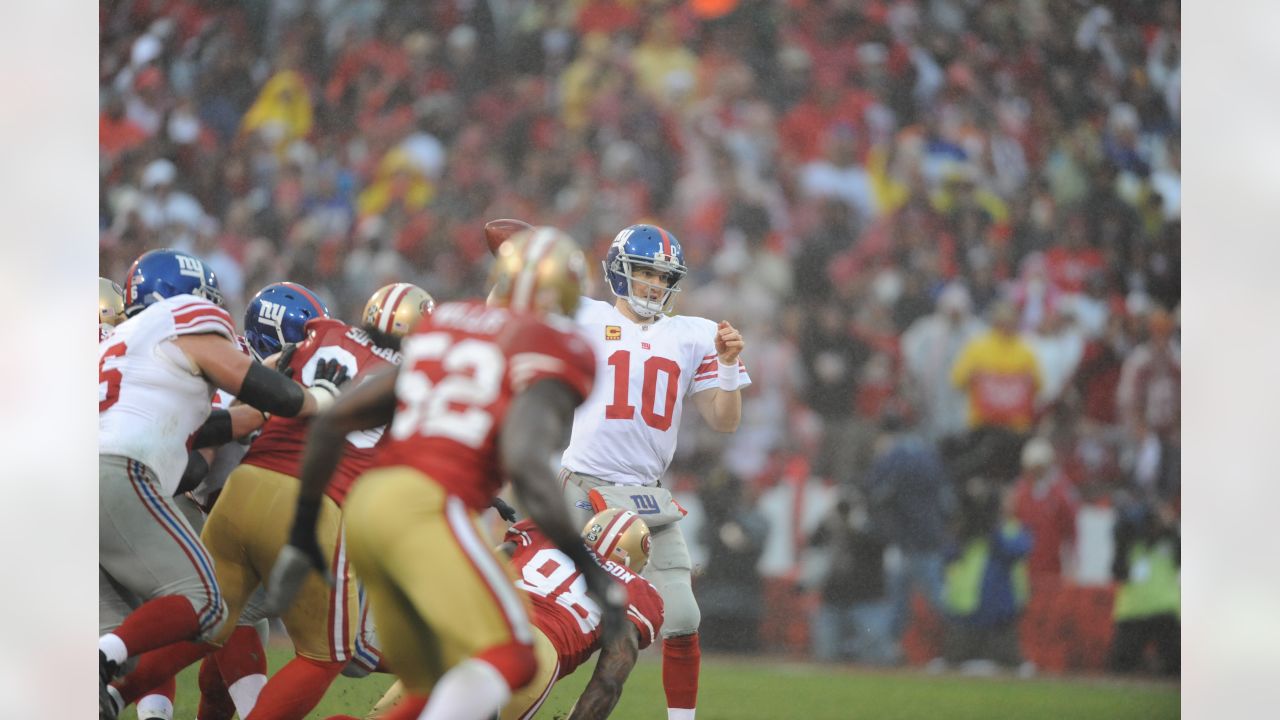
{"x": 625, "y": 432}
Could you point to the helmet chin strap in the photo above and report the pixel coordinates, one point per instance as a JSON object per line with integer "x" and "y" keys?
{"x": 641, "y": 307}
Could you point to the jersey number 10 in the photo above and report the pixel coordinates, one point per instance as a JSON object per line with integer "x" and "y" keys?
{"x": 621, "y": 408}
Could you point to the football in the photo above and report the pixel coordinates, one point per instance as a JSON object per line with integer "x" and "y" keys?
{"x": 496, "y": 232}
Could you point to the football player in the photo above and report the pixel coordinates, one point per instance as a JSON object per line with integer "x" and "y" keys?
{"x": 156, "y": 376}
{"x": 247, "y": 527}
{"x": 624, "y": 434}
{"x": 484, "y": 393}
{"x": 110, "y": 307}
{"x": 274, "y": 317}
{"x": 567, "y": 622}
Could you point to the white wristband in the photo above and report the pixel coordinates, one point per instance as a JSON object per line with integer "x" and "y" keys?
{"x": 727, "y": 376}
{"x": 323, "y": 395}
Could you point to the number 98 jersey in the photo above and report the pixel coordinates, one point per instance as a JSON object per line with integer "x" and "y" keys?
{"x": 562, "y": 610}
{"x": 280, "y": 445}
{"x": 462, "y": 367}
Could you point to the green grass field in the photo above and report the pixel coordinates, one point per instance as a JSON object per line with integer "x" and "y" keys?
{"x": 740, "y": 689}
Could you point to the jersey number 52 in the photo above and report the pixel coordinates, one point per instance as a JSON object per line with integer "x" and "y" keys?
{"x": 456, "y": 406}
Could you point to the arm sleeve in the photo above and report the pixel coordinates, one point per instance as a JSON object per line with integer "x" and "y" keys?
{"x": 706, "y": 375}
{"x": 202, "y": 316}
{"x": 644, "y": 610}
{"x": 539, "y": 352}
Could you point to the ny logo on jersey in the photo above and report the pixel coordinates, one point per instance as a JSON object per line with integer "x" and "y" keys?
{"x": 645, "y": 504}
{"x": 270, "y": 313}
{"x": 189, "y": 266}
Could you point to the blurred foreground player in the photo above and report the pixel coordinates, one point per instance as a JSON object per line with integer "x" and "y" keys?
{"x": 567, "y": 622}
{"x": 483, "y": 393}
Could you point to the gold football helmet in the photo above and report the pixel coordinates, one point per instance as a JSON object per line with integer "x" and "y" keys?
{"x": 110, "y": 302}
{"x": 619, "y": 535}
{"x": 539, "y": 270}
{"x": 394, "y": 309}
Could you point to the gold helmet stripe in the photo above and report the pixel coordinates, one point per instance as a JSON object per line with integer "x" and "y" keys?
{"x": 539, "y": 244}
{"x": 388, "y": 319}
{"x": 613, "y": 533}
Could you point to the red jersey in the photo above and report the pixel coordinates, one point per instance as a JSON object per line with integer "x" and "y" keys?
{"x": 280, "y": 445}
{"x": 463, "y": 365}
{"x": 561, "y": 608}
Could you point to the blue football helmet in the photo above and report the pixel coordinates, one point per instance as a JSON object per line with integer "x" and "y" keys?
{"x": 276, "y": 316}
{"x": 652, "y": 248}
{"x": 160, "y": 274}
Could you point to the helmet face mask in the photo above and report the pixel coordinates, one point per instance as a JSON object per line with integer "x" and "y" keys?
{"x": 160, "y": 274}
{"x": 276, "y": 316}
{"x": 645, "y": 247}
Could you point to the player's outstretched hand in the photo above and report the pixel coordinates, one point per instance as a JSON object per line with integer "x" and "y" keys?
{"x": 284, "y": 358}
{"x": 330, "y": 375}
{"x": 729, "y": 343}
{"x": 504, "y": 509}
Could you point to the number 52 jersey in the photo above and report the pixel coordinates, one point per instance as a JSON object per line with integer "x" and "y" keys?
{"x": 562, "y": 610}
{"x": 462, "y": 367}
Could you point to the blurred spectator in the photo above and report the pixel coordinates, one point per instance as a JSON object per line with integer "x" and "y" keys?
{"x": 1147, "y": 565}
{"x": 1045, "y": 503}
{"x": 730, "y": 589}
{"x": 1149, "y": 398}
{"x": 1001, "y": 376}
{"x": 832, "y": 357}
{"x": 854, "y": 618}
{"x": 911, "y": 503}
{"x": 929, "y": 349}
{"x": 986, "y": 582}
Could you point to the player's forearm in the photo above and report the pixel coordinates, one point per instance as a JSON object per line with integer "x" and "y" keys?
{"x": 726, "y": 410}
{"x": 605, "y": 687}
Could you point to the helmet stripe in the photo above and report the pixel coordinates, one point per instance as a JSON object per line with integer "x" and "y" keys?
{"x": 614, "y": 532}
{"x": 390, "y": 306}
{"x": 307, "y": 294}
{"x": 539, "y": 245}
{"x": 666, "y": 241}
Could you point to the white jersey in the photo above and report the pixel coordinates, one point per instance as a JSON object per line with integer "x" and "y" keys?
{"x": 625, "y": 431}
{"x": 150, "y": 397}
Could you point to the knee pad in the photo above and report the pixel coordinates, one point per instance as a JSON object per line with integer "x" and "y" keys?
{"x": 514, "y": 661}
{"x": 680, "y": 613}
{"x": 212, "y": 632}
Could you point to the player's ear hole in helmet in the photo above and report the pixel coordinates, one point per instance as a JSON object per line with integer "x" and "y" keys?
{"x": 619, "y": 535}
{"x": 277, "y": 315}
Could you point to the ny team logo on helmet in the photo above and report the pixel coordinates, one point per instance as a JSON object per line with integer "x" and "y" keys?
{"x": 276, "y": 315}
{"x": 110, "y": 302}
{"x": 396, "y": 308}
{"x": 538, "y": 270}
{"x": 160, "y": 274}
{"x": 619, "y": 535}
{"x": 652, "y": 248}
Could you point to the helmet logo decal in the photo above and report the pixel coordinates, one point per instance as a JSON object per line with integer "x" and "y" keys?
{"x": 189, "y": 266}
{"x": 594, "y": 533}
{"x": 271, "y": 313}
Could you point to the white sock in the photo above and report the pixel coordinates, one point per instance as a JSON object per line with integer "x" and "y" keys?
{"x": 155, "y": 707}
{"x": 244, "y": 692}
{"x": 680, "y": 713}
{"x": 113, "y": 647}
{"x": 472, "y": 690}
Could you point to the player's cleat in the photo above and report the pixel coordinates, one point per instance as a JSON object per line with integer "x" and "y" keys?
{"x": 106, "y": 672}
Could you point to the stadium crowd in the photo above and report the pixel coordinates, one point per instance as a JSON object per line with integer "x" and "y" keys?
{"x": 949, "y": 227}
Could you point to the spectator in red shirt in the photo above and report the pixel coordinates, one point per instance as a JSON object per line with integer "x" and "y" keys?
{"x": 117, "y": 133}
{"x": 1045, "y": 503}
